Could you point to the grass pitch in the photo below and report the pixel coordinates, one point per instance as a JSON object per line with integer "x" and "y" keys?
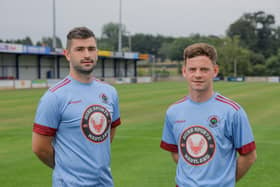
{"x": 137, "y": 160}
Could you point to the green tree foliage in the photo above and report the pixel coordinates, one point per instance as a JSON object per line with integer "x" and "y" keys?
{"x": 273, "y": 64}
{"x": 174, "y": 50}
{"x": 256, "y": 32}
{"x": 147, "y": 43}
{"x": 257, "y": 61}
{"x": 25, "y": 41}
{"x": 48, "y": 41}
{"x": 245, "y": 29}
{"x": 110, "y": 36}
{"x": 232, "y": 58}
{"x": 276, "y": 39}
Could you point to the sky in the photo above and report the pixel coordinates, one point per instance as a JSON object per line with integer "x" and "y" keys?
{"x": 34, "y": 18}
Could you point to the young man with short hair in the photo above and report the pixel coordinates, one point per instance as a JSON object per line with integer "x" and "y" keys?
{"x": 76, "y": 120}
{"x": 205, "y": 130}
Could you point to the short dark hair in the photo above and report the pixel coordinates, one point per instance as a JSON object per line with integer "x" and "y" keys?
{"x": 201, "y": 49}
{"x": 78, "y": 33}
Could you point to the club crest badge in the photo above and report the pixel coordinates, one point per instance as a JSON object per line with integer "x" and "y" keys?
{"x": 213, "y": 121}
{"x": 103, "y": 98}
{"x": 197, "y": 145}
{"x": 95, "y": 124}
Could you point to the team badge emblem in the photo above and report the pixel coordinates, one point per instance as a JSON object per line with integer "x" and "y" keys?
{"x": 95, "y": 124}
{"x": 197, "y": 145}
{"x": 104, "y": 98}
{"x": 213, "y": 121}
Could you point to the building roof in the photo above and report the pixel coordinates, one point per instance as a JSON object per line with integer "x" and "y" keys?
{"x": 42, "y": 50}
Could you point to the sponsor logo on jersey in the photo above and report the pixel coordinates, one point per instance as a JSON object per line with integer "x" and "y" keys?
{"x": 180, "y": 121}
{"x": 197, "y": 145}
{"x": 95, "y": 124}
{"x": 213, "y": 121}
{"x": 103, "y": 98}
{"x": 74, "y": 101}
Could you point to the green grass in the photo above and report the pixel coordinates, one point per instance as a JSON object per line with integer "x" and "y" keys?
{"x": 137, "y": 160}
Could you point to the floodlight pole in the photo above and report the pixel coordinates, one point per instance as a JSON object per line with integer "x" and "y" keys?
{"x": 54, "y": 27}
{"x": 120, "y": 28}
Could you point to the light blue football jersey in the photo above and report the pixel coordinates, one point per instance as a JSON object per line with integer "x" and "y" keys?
{"x": 80, "y": 117}
{"x": 207, "y": 137}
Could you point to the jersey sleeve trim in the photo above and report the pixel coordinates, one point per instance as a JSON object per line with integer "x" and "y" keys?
{"x": 227, "y": 101}
{"x": 169, "y": 147}
{"x": 61, "y": 84}
{"x": 116, "y": 123}
{"x": 247, "y": 148}
{"x": 43, "y": 130}
{"x": 180, "y": 101}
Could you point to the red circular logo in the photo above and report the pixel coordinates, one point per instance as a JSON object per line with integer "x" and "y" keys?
{"x": 197, "y": 145}
{"x": 96, "y": 121}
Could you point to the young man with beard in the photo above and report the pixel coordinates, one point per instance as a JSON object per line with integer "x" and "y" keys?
{"x": 205, "y": 130}
{"x": 76, "y": 120}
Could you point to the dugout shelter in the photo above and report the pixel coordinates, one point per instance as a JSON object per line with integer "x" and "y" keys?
{"x": 22, "y": 62}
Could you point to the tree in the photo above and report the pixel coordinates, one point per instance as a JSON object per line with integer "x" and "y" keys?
{"x": 246, "y": 32}
{"x": 256, "y": 32}
{"x": 48, "y": 41}
{"x": 25, "y": 41}
{"x": 233, "y": 59}
{"x": 273, "y": 64}
{"x": 110, "y": 35}
{"x": 276, "y": 39}
{"x": 147, "y": 43}
{"x": 174, "y": 49}
{"x": 257, "y": 61}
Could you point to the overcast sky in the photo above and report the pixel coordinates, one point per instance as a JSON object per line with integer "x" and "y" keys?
{"x": 20, "y": 18}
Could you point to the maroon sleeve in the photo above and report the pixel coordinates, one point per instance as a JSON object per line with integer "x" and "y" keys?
{"x": 169, "y": 147}
{"x": 43, "y": 130}
{"x": 247, "y": 148}
{"x": 116, "y": 123}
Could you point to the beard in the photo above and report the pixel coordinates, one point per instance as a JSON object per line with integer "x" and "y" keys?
{"x": 85, "y": 70}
